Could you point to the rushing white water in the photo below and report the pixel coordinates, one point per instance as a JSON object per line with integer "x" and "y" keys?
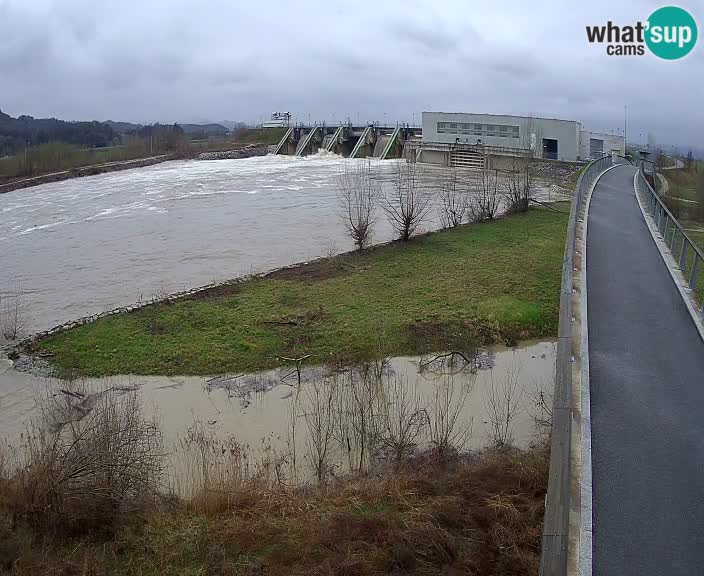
{"x": 87, "y": 245}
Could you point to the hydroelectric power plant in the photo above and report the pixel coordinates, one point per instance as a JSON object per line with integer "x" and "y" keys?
{"x": 464, "y": 140}
{"x": 348, "y": 140}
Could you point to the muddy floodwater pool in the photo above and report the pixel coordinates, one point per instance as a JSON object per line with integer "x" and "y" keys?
{"x": 497, "y": 397}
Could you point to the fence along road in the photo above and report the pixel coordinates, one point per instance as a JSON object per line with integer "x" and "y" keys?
{"x": 646, "y": 363}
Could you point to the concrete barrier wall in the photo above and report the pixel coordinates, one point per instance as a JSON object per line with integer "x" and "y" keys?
{"x": 562, "y": 528}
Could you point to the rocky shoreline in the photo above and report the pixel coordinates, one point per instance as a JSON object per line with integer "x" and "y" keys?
{"x": 83, "y": 171}
{"x": 245, "y": 152}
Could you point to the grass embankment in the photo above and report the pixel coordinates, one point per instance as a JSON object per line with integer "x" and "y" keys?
{"x": 685, "y": 199}
{"x": 260, "y": 135}
{"x": 684, "y": 182}
{"x": 492, "y": 281}
{"x": 476, "y": 516}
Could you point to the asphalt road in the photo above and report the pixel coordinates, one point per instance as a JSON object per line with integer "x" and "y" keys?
{"x": 646, "y": 362}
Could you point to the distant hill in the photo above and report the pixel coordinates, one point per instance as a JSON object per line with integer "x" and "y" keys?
{"x": 192, "y": 130}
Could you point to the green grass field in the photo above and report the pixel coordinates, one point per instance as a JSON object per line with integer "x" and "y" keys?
{"x": 484, "y": 282}
{"x": 260, "y": 135}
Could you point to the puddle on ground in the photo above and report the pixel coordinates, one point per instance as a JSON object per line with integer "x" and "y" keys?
{"x": 255, "y": 411}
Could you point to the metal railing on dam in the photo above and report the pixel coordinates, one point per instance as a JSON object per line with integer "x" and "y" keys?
{"x": 685, "y": 252}
{"x": 562, "y": 524}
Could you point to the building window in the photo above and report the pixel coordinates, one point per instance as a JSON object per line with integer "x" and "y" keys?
{"x": 478, "y": 130}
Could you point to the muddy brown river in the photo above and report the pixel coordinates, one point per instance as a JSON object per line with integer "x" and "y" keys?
{"x": 83, "y": 246}
{"x": 256, "y": 410}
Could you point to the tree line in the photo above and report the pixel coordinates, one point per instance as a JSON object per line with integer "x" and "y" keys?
{"x": 16, "y": 134}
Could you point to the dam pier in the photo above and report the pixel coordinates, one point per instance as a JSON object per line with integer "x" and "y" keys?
{"x": 348, "y": 140}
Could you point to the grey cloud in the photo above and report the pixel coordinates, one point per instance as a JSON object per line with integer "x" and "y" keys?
{"x": 178, "y": 60}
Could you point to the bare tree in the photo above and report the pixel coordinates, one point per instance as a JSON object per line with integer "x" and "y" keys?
{"x": 356, "y": 406}
{"x": 531, "y": 138}
{"x": 487, "y": 200}
{"x": 293, "y": 410}
{"x": 402, "y": 419}
{"x": 320, "y": 422}
{"x": 363, "y": 399}
{"x": 358, "y": 197}
{"x": 448, "y": 430}
{"x": 453, "y": 201}
{"x": 542, "y": 398}
{"x": 13, "y": 314}
{"x": 407, "y": 201}
{"x": 502, "y": 405}
{"x": 517, "y": 186}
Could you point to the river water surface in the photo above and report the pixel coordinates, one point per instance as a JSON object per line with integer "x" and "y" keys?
{"x": 256, "y": 410}
{"x": 87, "y": 245}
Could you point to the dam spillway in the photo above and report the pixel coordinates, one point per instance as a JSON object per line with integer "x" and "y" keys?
{"x": 347, "y": 140}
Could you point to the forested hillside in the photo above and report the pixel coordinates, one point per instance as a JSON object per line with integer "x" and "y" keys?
{"x": 16, "y": 134}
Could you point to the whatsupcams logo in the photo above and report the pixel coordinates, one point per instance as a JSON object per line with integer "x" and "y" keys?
{"x": 669, "y": 33}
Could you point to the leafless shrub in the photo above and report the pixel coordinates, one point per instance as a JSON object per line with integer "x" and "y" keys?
{"x": 517, "y": 186}
{"x": 453, "y": 201}
{"x": 447, "y": 430}
{"x": 212, "y": 463}
{"x": 13, "y": 314}
{"x": 407, "y": 201}
{"x": 402, "y": 418}
{"x": 331, "y": 249}
{"x": 452, "y": 362}
{"x": 88, "y": 472}
{"x": 358, "y": 198}
{"x": 295, "y": 375}
{"x": 213, "y": 470}
{"x": 461, "y": 350}
{"x": 502, "y": 404}
{"x": 541, "y": 398}
{"x": 357, "y": 407}
{"x": 486, "y": 202}
{"x": 362, "y": 402}
{"x": 320, "y": 422}
{"x": 162, "y": 292}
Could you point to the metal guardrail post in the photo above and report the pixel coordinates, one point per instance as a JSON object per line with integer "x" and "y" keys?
{"x": 693, "y": 278}
{"x": 666, "y": 231}
{"x": 669, "y": 227}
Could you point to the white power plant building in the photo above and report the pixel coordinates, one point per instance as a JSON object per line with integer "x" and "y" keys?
{"x": 545, "y": 137}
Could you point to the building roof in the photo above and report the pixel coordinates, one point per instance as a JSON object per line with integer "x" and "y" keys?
{"x": 500, "y": 115}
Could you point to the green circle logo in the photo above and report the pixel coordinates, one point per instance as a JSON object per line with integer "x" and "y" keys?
{"x": 670, "y": 32}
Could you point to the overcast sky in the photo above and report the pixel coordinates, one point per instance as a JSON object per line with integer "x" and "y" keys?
{"x": 189, "y": 61}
